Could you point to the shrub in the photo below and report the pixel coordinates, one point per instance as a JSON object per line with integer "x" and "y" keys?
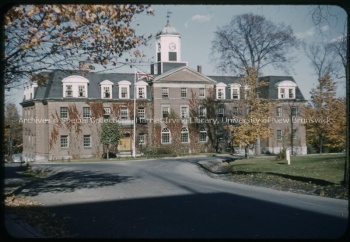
{"x": 281, "y": 155}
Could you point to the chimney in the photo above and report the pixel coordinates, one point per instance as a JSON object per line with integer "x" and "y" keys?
{"x": 85, "y": 66}
{"x": 199, "y": 69}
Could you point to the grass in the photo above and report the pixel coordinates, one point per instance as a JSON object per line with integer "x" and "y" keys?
{"x": 327, "y": 168}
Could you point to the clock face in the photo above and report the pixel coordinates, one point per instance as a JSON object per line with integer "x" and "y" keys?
{"x": 172, "y": 46}
{"x": 158, "y": 46}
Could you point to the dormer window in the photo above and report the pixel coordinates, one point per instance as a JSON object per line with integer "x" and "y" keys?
{"x": 106, "y": 92}
{"x": 124, "y": 89}
{"x": 75, "y": 86}
{"x": 235, "y": 91}
{"x": 220, "y": 90}
{"x": 106, "y": 89}
{"x": 141, "y": 89}
{"x": 286, "y": 89}
{"x": 81, "y": 92}
{"x": 69, "y": 91}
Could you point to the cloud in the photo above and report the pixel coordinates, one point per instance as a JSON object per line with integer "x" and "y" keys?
{"x": 305, "y": 34}
{"x": 311, "y": 32}
{"x": 199, "y": 18}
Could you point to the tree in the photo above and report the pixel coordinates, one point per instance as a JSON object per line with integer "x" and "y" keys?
{"x": 13, "y": 130}
{"x": 41, "y": 37}
{"x": 254, "y": 111}
{"x": 252, "y": 41}
{"x": 110, "y": 135}
{"x": 326, "y": 115}
{"x": 323, "y": 59}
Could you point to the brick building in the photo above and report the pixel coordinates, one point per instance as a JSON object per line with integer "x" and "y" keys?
{"x": 62, "y": 119}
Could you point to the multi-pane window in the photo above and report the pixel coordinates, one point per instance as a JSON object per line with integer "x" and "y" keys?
{"x": 64, "y": 141}
{"x": 124, "y": 113}
{"x": 282, "y": 93}
{"x": 86, "y": 113}
{"x": 202, "y": 112}
{"x": 279, "y": 111}
{"x": 165, "y": 136}
{"x": 106, "y": 92}
{"x": 81, "y": 91}
{"x": 184, "y": 112}
{"x": 235, "y": 93}
{"x": 106, "y": 112}
{"x": 291, "y": 93}
{"x": 201, "y": 92}
{"x": 183, "y": 92}
{"x": 184, "y": 135}
{"x": 202, "y": 135}
{"x": 294, "y": 134}
{"x": 294, "y": 111}
{"x": 221, "y": 93}
{"x": 87, "y": 141}
{"x": 64, "y": 112}
{"x": 124, "y": 92}
{"x": 141, "y": 138}
{"x": 165, "y": 111}
{"x": 279, "y": 134}
{"x": 235, "y": 111}
{"x": 69, "y": 91}
{"x": 141, "y": 92}
{"x": 165, "y": 92}
{"x": 141, "y": 114}
{"x": 221, "y": 111}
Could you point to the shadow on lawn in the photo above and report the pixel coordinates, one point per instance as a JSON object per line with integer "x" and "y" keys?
{"x": 291, "y": 177}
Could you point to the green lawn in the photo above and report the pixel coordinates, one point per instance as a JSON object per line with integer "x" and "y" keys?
{"x": 329, "y": 168}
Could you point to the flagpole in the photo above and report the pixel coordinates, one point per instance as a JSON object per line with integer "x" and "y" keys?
{"x": 134, "y": 123}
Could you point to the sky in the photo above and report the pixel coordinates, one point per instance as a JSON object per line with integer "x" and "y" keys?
{"x": 197, "y": 24}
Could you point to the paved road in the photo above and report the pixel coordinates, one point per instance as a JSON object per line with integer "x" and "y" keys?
{"x": 173, "y": 198}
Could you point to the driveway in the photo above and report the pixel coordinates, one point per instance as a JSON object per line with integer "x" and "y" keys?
{"x": 173, "y": 198}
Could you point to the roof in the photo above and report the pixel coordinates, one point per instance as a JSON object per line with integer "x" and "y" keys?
{"x": 168, "y": 30}
{"x": 183, "y": 74}
{"x": 54, "y": 87}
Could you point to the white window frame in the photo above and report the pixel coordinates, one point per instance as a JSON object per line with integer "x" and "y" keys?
{"x": 183, "y": 92}
{"x": 166, "y": 131}
{"x": 75, "y": 82}
{"x": 184, "y": 135}
{"x": 294, "y": 111}
{"x": 201, "y": 93}
{"x": 163, "y": 109}
{"x": 64, "y": 144}
{"x": 285, "y": 88}
{"x": 81, "y": 91}
{"x": 124, "y": 85}
{"x": 165, "y": 92}
{"x": 184, "y": 111}
{"x": 68, "y": 90}
{"x": 141, "y": 114}
{"x": 85, "y": 114}
{"x": 124, "y": 113}
{"x": 106, "y": 84}
{"x": 65, "y": 110}
{"x": 141, "y": 86}
{"x": 203, "y": 131}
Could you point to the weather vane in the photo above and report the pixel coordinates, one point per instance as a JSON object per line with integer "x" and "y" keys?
{"x": 168, "y": 16}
